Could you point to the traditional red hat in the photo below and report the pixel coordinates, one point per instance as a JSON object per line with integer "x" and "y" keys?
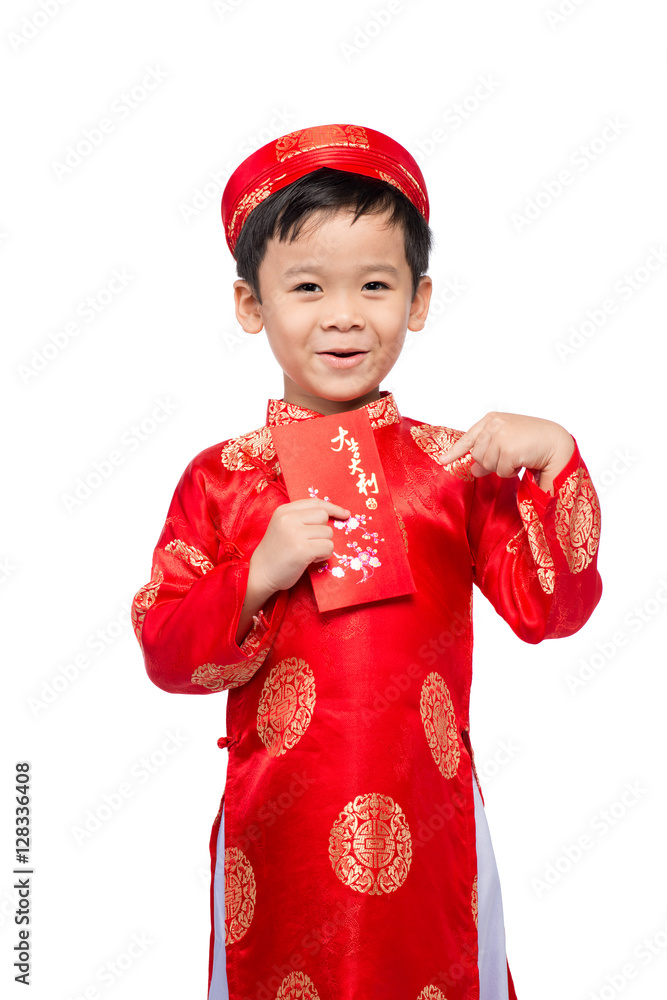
{"x": 345, "y": 147}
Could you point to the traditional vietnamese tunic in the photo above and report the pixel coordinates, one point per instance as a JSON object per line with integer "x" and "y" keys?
{"x": 351, "y": 854}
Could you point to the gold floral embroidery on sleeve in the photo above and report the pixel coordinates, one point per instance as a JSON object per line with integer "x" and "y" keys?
{"x": 435, "y": 441}
{"x": 190, "y": 555}
{"x": 143, "y": 600}
{"x": 578, "y": 520}
{"x": 533, "y": 528}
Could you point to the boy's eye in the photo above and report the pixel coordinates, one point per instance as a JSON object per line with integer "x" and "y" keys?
{"x": 309, "y": 286}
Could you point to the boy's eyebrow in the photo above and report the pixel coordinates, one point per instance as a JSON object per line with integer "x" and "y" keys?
{"x": 362, "y": 269}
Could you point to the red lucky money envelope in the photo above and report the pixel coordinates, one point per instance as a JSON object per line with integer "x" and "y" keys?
{"x": 335, "y": 458}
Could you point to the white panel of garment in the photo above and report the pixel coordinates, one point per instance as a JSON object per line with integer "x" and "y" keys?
{"x": 219, "y": 989}
{"x": 492, "y": 961}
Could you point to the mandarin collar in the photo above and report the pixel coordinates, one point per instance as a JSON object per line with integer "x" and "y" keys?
{"x": 381, "y": 412}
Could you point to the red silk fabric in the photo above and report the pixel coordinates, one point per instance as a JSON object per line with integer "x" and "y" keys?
{"x": 345, "y": 147}
{"x": 350, "y": 851}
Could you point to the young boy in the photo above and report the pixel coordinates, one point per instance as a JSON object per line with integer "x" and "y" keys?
{"x": 351, "y": 856}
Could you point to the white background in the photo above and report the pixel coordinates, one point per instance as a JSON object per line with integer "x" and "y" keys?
{"x": 145, "y": 202}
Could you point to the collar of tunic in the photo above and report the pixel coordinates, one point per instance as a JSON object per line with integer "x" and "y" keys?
{"x": 381, "y": 412}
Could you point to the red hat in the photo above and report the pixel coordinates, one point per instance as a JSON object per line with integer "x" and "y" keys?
{"x": 345, "y": 147}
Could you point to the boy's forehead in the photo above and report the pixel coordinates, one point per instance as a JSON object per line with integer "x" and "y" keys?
{"x": 368, "y": 243}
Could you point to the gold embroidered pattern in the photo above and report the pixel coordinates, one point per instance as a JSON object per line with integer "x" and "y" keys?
{"x": 473, "y": 901}
{"x": 435, "y": 441}
{"x": 190, "y": 555}
{"x": 297, "y": 986}
{"x": 256, "y": 444}
{"x": 392, "y": 180}
{"x": 305, "y": 139}
{"x": 143, "y": 600}
{"x": 240, "y": 893}
{"x": 437, "y": 712}
{"x": 546, "y": 571}
{"x": 431, "y": 993}
{"x": 370, "y": 846}
{"x": 578, "y": 520}
{"x": 401, "y": 525}
{"x": 245, "y": 206}
{"x": 286, "y": 705}
{"x": 211, "y": 676}
{"x": 381, "y": 412}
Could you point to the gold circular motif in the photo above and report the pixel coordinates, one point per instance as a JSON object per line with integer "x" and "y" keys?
{"x": 190, "y": 555}
{"x": 371, "y": 503}
{"x": 216, "y": 678}
{"x": 297, "y": 986}
{"x": 578, "y": 520}
{"x": 431, "y": 993}
{"x": 370, "y": 846}
{"x": 473, "y": 901}
{"x": 435, "y": 441}
{"x": 240, "y": 893}
{"x": 437, "y": 712}
{"x": 286, "y": 705}
{"x": 546, "y": 571}
{"x": 238, "y": 451}
{"x": 143, "y": 600}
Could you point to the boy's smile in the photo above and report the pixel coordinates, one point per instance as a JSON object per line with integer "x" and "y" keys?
{"x": 336, "y": 306}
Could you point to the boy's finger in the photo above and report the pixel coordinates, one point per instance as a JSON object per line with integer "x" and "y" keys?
{"x": 458, "y": 449}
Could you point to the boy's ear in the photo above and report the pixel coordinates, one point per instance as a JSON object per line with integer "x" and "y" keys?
{"x": 420, "y": 304}
{"x": 248, "y": 310}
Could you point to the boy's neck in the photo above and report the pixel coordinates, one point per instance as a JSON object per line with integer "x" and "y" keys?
{"x": 295, "y": 394}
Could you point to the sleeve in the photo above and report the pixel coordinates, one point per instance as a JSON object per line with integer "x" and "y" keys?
{"x": 187, "y": 615}
{"x": 535, "y": 553}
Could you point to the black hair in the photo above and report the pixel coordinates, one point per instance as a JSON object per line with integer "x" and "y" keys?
{"x": 285, "y": 211}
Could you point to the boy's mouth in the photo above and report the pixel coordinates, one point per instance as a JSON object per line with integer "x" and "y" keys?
{"x": 342, "y": 359}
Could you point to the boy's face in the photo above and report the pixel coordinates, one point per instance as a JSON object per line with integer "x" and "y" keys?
{"x": 340, "y": 288}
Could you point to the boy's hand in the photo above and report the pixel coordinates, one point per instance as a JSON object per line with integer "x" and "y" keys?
{"x": 506, "y": 442}
{"x": 298, "y": 534}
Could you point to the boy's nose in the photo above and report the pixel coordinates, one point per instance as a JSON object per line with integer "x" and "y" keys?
{"x": 342, "y": 318}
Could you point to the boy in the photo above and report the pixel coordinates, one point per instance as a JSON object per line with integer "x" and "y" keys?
{"x": 351, "y": 855}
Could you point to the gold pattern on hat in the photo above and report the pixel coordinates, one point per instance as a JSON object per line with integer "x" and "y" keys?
{"x": 286, "y": 705}
{"x": 435, "y": 441}
{"x": 578, "y": 520}
{"x": 297, "y": 986}
{"x": 370, "y": 845}
{"x": 305, "y": 139}
{"x": 240, "y": 893}
{"x": 437, "y": 713}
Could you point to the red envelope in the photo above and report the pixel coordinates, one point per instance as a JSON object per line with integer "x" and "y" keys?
{"x": 335, "y": 458}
